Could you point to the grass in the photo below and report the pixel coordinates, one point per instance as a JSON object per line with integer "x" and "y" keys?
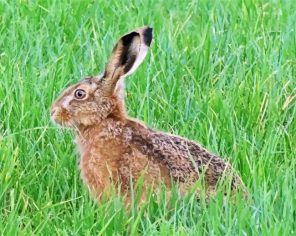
{"x": 219, "y": 72}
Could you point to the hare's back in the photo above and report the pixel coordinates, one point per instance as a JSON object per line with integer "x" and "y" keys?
{"x": 185, "y": 159}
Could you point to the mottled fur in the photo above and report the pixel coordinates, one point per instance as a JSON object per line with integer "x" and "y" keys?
{"x": 116, "y": 149}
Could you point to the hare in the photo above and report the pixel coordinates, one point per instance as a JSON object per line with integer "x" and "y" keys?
{"x": 116, "y": 149}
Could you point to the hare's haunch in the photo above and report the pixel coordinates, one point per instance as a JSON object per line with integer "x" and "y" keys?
{"x": 116, "y": 149}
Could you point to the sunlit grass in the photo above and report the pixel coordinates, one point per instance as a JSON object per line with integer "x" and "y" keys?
{"x": 219, "y": 72}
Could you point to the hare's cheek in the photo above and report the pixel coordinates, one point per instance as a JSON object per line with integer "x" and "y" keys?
{"x": 65, "y": 116}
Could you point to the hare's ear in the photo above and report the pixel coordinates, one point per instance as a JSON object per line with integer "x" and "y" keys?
{"x": 127, "y": 55}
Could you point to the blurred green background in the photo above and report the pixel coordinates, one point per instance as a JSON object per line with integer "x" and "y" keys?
{"x": 219, "y": 72}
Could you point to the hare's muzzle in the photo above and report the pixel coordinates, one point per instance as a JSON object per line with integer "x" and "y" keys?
{"x": 60, "y": 115}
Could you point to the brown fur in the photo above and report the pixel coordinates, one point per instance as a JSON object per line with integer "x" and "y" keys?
{"x": 116, "y": 149}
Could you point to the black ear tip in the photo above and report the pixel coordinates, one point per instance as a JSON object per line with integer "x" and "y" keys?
{"x": 147, "y": 36}
{"x": 128, "y": 38}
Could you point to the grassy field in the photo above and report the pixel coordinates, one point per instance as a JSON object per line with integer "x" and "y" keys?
{"x": 219, "y": 72}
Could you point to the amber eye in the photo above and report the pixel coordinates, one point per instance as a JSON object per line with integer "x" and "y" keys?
{"x": 80, "y": 94}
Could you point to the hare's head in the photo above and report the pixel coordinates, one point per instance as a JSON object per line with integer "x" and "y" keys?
{"x": 95, "y": 98}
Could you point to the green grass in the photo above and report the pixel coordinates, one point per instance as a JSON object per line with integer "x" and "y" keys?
{"x": 219, "y": 72}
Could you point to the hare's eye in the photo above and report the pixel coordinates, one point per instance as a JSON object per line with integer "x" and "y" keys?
{"x": 80, "y": 94}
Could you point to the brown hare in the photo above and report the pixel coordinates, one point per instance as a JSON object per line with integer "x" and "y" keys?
{"x": 115, "y": 149}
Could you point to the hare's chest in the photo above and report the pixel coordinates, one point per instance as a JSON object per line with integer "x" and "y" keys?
{"x": 98, "y": 172}
{"x": 99, "y": 164}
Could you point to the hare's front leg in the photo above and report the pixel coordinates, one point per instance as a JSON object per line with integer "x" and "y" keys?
{"x": 132, "y": 168}
{"x": 139, "y": 176}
